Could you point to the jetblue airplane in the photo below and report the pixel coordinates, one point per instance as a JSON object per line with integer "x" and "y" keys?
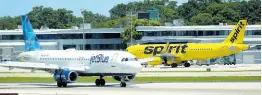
{"x": 67, "y": 65}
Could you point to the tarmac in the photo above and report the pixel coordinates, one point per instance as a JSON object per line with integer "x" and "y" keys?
{"x": 205, "y": 88}
{"x": 174, "y": 88}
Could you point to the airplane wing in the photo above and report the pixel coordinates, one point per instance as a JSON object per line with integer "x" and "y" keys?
{"x": 39, "y": 66}
{"x": 145, "y": 60}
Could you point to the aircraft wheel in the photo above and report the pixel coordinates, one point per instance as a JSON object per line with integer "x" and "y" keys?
{"x": 187, "y": 64}
{"x": 98, "y": 82}
{"x": 102, "y": 82}
{"x": 59, "y": 84}
{"x": 173, "y": 65}
{"x": 64, "y": 84}
{"x": 122, "y": 84}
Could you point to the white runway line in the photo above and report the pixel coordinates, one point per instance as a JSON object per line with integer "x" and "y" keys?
{"x": 217, "y": 88}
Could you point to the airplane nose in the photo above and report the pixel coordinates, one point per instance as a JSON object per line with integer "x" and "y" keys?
{"x": 137, "y": 66}
{"x": 129, "y": 49}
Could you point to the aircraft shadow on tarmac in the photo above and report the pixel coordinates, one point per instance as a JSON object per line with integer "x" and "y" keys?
{"x": 53, "y": 85}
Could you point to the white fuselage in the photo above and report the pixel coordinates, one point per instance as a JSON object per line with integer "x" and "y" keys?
{"x": 93, "y": 61}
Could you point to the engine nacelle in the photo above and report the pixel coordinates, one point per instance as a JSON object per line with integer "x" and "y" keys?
{"x": 156, "y": 61}
{"x": 66, "y": 76}
{"x": 126, "y": 79}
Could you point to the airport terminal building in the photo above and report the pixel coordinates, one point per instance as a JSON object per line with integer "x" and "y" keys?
{"x": 103, "y": 38}
{"x": 11, "y": 41}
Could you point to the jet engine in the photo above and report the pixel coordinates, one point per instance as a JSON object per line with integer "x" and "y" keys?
{"x": 126, "y": 78}
{"x": 156, "y": 61}
{"x": 66, "y": 76}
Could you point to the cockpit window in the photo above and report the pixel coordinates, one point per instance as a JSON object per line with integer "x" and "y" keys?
{"x": 123, "y": 59}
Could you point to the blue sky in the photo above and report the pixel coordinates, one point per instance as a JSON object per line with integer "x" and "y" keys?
{"x": 19, "y": 7}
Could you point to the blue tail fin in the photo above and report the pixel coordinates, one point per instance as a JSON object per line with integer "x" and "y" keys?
{"x": 30, "y": 39}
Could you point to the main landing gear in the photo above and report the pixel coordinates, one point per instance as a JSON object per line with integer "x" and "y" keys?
{"x": 100, "y": 81}
{"x": 61, "y": 84}
{"x": 173, "y": 65}
{"x": 187, "y": 64}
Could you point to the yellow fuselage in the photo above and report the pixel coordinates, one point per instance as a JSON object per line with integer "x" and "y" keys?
{"x": 184, "y": 52}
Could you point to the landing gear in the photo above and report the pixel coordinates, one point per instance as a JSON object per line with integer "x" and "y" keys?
{"x": 100, "y": 81}
{"x": 173, "y": 65}
{"x": 122, "y": 84}
{"x": 59, "y": 84}
{"x": 97, "y": 82}
{"x": 187, "y": 64}
{"x": 165, "y": 61}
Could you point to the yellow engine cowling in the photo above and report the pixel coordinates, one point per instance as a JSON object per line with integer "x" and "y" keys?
{"x": 157, "y": 61}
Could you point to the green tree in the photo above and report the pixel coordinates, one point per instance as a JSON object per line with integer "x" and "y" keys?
{"x": 94, "y": 19}
{"x": 42, "y": 16}
{"x": 252, "y": 11}
{"x": 202, "y": 19}
{"x": 7, "y": 22}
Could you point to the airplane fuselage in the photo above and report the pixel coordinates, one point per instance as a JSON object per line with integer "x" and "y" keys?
{"x": 97, "y": 62}
{"x": 189, "y": 51}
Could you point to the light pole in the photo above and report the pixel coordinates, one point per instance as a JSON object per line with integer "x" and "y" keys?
{"x": 82, "y": 12}
{"x": 131, "y": 27}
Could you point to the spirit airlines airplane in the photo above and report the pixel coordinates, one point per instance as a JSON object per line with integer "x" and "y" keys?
{"x": 173, "y": 54}
{"x": 67, "y": 65}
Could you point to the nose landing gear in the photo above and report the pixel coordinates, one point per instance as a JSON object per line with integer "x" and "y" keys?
{"x": 100, "y": 81}
{"x": 123, "y": 83}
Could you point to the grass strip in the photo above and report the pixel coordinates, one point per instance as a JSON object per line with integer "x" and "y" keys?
{"x": 141, "y": 79}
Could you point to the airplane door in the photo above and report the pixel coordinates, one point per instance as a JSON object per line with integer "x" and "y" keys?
{"x": 114, "y": 59}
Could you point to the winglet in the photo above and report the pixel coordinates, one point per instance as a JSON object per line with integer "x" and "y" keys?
{"x": 237, "y": 34}
{"x": 30, "y": 39}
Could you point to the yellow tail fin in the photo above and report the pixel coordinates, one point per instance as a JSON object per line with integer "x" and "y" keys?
{"x": 237, "y": 34}
{"x": 166, "y": 47}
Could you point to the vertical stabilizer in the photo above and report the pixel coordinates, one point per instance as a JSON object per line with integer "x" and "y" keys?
{"x": 236, "y": 36}
{"x": 30, "y": 39}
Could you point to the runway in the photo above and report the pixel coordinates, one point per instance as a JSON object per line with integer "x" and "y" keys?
{"x": 215, "y": 88}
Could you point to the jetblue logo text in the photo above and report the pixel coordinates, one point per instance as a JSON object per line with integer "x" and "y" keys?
{"x": 158, "y": 49}
{"x": 100, "y": 58}
{"x": 239, "y": 27}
